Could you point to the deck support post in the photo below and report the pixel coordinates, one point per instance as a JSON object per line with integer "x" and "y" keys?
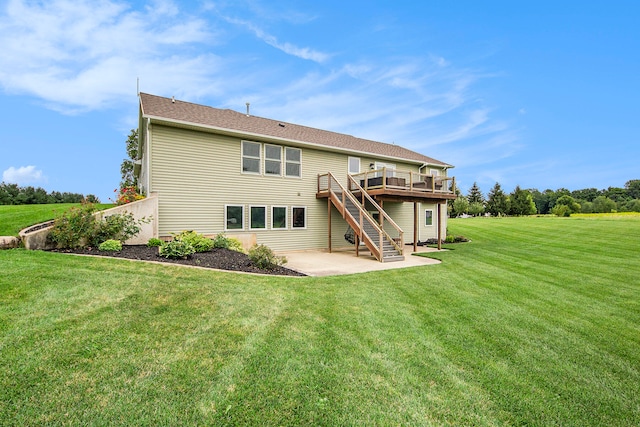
{"x": 329, "y": 225}
{"x": 357, "y": 245}
{"x": 439, "y": 213}
{"x": 415, "y": 226}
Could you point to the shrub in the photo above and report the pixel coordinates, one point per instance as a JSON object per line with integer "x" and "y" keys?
{"x": 236, "y": 245}
{"x": 117, "y": 226}
{"x": 154, "y": 242}
{"x": 221, "y": 241}
{"x": 74, "y": 227}
{"x": 77, "y": 227}
{"x": 111, "y": 245}
{"x": 176, "y": 249}
{"x": 264, "y": 258}
{"x": 198, "y": 241}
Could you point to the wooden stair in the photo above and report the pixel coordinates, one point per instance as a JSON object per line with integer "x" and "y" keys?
{"x": 367, "y": 229}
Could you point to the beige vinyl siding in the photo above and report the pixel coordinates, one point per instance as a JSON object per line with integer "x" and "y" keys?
{"x": 197, "y": 173}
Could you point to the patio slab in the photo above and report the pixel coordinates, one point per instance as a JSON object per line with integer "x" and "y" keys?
{"x": 338, "y": 262}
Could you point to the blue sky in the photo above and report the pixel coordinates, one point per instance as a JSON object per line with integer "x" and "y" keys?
{"x": 540, "y": 94}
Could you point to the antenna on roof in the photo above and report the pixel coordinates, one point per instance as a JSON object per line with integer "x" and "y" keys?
{"x": 248, "y": 109}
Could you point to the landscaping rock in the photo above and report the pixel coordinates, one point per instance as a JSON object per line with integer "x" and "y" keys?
{"x": 9, "y": 242}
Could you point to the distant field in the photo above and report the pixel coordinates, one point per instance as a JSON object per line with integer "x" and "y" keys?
{"x": 14, "y": 218}
{"x": 535, "y": 322}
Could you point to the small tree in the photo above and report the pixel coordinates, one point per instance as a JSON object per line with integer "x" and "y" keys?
{"x": 460, "y": 206}
{"x": 476, "y": 208}
{"x": 126, "y": 169}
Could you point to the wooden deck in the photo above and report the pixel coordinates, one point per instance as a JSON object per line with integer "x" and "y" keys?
{"x": 401, "y": 186}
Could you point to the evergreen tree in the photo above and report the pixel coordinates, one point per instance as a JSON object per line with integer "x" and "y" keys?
{"x": 497, "y": 202}
{"x": 521, "y": 202}
{"x": 475, "y": 195}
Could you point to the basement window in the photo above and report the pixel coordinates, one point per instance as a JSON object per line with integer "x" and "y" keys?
{"x": 234, "y": 217}
{"x": 298, "y": 217}
{"x": 258, "y": 217}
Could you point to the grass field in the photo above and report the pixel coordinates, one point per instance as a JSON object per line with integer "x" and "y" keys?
{"x": 14, "y": 218}
{"x": 535, "y": 322}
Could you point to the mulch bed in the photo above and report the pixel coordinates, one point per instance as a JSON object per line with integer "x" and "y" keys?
{"x": 222, "y": 259}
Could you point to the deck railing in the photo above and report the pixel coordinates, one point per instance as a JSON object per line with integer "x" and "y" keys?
{"x": 394, "y": 179}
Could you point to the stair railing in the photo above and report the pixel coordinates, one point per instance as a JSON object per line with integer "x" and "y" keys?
{"x": 332, "y": 185}
{"x": 353, "y": 185}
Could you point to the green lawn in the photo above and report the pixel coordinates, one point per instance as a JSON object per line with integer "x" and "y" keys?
{"x": 14, "y": 218}
{"x": 535, "y": 322}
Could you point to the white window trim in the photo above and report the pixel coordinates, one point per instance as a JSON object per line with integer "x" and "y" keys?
{"x": 284, "y": 159}
{"x": 305, "y": 217}
{"x": 225, "y": 218}
{"x": 425, "y": 218}
{"x": 349, "y": 165}
{"x": 266, "y": 222}
{"x": 259, "y": 158}
{"x": 286, "y": 218}
{"x": 434, "y": 172}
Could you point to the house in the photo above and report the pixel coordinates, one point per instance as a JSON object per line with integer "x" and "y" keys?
{"x": 287, "y": 186}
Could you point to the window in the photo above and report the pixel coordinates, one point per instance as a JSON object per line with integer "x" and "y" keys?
{"x": 434, "y": 172}
{"x": 293, "y": 158}
{"x": 279, "y": 217}
{"x": 391, "y": 169}
{"x": 354, "y": 165}
{"x": 299, "y": 217}
{"x": 257, "y": 217}
{"x": 428, "y": 217}
{"x": 234, "y": 217}
{"x": 272, "y": 160}
{"x": 250, "y": 157}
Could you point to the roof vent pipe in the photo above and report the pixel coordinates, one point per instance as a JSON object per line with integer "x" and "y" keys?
{"x": 248, "y": 109}
{"x": 173, "y": 99}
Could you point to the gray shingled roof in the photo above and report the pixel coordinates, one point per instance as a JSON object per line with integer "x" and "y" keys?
{"x": 185, "y": 112}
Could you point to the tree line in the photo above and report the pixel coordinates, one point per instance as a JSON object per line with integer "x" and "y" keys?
{"x": 12, "y": 194}
{"x": 561, "y": 202}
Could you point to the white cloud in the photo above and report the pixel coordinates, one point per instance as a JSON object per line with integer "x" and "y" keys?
{"x": 23, "y": 175}
{"x": 79, "y": 55}
{"x": 288, "y": 48}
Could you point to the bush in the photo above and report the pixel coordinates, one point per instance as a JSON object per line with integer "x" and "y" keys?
{"x": 264, "y": 258}
{"x": 221, "y": 241}
{"x": 154, "y": 242}
{"x": 74, "y": 227}
{"x": 176, "y": 249}
{"x": 117, "y": 226}
{"x": 78, "y": 227}
{"x": 198, "y": 241}
{"x": 236, "y": 245}
{"x": 111, "y": 245}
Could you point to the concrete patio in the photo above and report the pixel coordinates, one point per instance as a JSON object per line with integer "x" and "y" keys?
{"x": 339, "y": 262}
